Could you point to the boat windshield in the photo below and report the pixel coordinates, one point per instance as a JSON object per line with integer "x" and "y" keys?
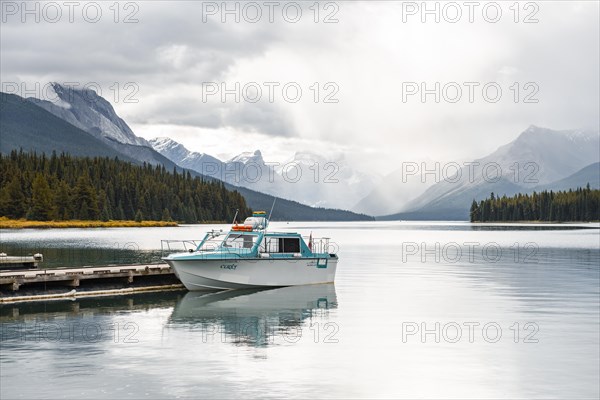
{"x": 240, "y": 241}
{"x": 211, "y": 242}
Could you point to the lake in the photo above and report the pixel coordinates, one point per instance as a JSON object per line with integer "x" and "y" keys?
{"x": 433, "y": 310}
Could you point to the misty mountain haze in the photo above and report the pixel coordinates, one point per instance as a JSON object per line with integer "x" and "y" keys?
{"x": 539, "y": 156}
{"x": 306, "y": 177}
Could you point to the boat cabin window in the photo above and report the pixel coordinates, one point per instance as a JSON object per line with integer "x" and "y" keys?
{"x": 281, "y": 245}
{"x": 290, "y": 245}
{"x": 240, "y": 241}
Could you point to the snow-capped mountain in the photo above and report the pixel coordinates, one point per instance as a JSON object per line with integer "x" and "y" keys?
{"x": 88, "y": 111}
{"x": 538, "y": 157}
{"x": 248, "y": 157}
{"x": 307, "y": 178}
{"x": 250, "y": 170}
{"x": 176, "y": 152}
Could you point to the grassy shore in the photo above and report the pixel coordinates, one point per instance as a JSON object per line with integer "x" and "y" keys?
{"x": 6, "y": 223}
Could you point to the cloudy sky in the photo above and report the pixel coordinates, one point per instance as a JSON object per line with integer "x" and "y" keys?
{"x": 343, "y": 77}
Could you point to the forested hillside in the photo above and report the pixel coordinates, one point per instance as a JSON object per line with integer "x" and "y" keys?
{"x": 62, "y": 187}
{"x": 573, "y": 205}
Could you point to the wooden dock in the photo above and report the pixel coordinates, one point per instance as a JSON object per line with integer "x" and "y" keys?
{"x": 20, "y": 262}
{"x": 50, "y": 283}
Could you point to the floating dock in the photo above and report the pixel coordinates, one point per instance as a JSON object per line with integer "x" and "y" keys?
{"x": 20, "y": 262}
{"x": 43, "y": 284}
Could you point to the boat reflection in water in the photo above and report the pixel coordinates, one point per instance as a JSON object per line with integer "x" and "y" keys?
{"x": 259, "y": 317}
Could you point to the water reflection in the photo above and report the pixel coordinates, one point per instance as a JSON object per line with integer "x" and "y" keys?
{"x": 395, "y": 277}
{"x": 258, "y": 317}
{"x": 91, "y": 306}
{"x": 60, "y": 255}
{"x": 57, "y": 333}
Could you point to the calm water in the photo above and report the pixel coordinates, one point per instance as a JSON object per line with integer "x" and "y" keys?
{"x": 436, "y": 310}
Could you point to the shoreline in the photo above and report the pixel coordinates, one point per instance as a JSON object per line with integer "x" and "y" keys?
{"x": 6, "y": 223}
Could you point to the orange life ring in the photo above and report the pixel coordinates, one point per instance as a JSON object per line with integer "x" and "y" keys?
{"x": 245, "y": 228}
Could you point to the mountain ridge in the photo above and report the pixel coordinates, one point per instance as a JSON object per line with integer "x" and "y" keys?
{"x": 306, "y": 177}
{"x": 589, "y": 174}
{"x": 90, "y": 112}
{"x": 538, "y": 156}
{"x": 27, "y": 126}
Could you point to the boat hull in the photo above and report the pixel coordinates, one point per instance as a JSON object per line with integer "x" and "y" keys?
{"x": 211, "y": 274}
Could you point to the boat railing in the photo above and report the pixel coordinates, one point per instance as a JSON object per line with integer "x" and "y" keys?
{"x": 212, "y": 243}
{"x": 320, "y": 245}
{"x": 177, "y": 246}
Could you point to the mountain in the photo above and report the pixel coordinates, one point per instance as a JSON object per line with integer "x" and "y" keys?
{"x": 557, "y": 154}
{"x": 322, "y": 182}
{"x": 289, "y": 210}
{"x": 143, "y": 154}
{"x": 202, "y": 163}
{"x": 250, "y": 170}
{"x": 248, "y": 157}
{"x": 537, "y": 157}
{"x": 85, "y": 109}
{"x": 450, "y": 205}
{"x": 307, "y": 178}
{"x": 589, "y": 174}
{"x": 88, "y": 111}
{"x": 231, "y": 172}
{"x": 26, "y": 126}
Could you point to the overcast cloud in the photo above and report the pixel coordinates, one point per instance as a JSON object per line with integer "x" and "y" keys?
{"x": 368, "y": 56}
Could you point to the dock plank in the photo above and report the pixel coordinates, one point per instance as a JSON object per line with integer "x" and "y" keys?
{"x": 19, "y": 278}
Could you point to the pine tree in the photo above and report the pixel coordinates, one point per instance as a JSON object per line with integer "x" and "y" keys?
{"x": 120, "y": 214}
{"x": 85, "y": 194}
{"x": 62, "y": 202}
{"x": 12, "y": 199}
{"x": 41, "y": 202}
{"x": 474, "y": 213}
{"x": 105, "y": 214}
{"x": 166, "y": 215}
{"x": 84, "y": 212}
{"x": 108, "y": 188}
{"x": 573, "y": 205}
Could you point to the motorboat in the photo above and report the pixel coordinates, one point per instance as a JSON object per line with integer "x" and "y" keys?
{"x": 252, "y": 256}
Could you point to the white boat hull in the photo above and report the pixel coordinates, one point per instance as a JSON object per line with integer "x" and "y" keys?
{"x": 214, "y": 274}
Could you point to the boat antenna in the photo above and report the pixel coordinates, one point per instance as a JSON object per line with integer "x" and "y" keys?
{"x": 270, "y": 213}
{"x": 235, "y": 216}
